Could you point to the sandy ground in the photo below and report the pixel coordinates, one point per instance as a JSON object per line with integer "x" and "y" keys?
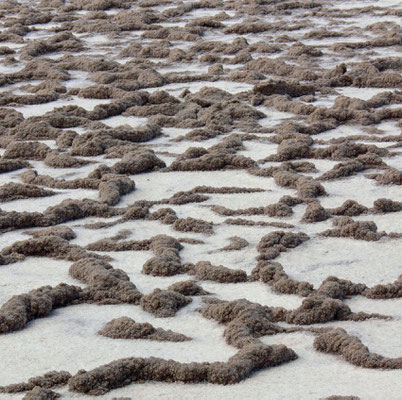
{"x": 250, "y": 147}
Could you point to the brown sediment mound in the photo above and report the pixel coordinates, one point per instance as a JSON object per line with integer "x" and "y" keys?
{"x": 53, "y": 246}
{"x": 386, "y": 205}
{"x": 56, "y": 160}
{"x": 127, "y": 328}
{"x": 348, "y": 149}
{"x": 185, "y": 198}
{"x": 341, "y": 289}
{"x": 164, "y": 303}
{"x": 188, "y": 288}
{"x": 16, "y": 191}
{"x": 106, "y": 285}
{"x": 26, "y": 150}
{"x": 247, "y": 222}
{"x": 319, "y": 309}
{"x": 282, "y": 87}
{"x": 112, "y": 244}
{"x": 348, "y": 168}
{"x": 12, "y": 165}
{"x": 236, "y": 243}
{"x": 38, "y": 393}
{"x": 246, "y": 321}
{"x": 112, "y": 187}
{"x": 167, "y": 259}
{"x": 190, "y": 224}
{"x": 65, "y": 139}
{"x": 33, "y": 178}
{"x": 204, "y": 270}
{"x": 315, "y": 212}
{"x": 307, "y": 187}
{"x": 62, "y": 41}
{"x": 136, "y": 162}
{"x": 360, "y": 230}
{"x": 274, "y": 275}
{"x": 350, "y": 208}
{"x": 220, "y": 156}
{"x": 165, "y": 215}
{"x": 390, "y": 291}
{"x": 47, "y": 381}
{"x": 338, "y": 341}
{"x": 272, "y": 244}
{"x": 389, "y": 177}
{"x": 20, "y": 309}
{"x": 65, "y": 232}
{"x": 125, "y": 371}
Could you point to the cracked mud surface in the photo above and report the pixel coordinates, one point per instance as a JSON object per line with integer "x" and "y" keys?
{"x": 202, "y": 192}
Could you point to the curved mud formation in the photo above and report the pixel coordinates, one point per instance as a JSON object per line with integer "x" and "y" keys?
{"x": 163, "y": 147}
{"x": 339, "y": 342}
{"x": 127, "y": 328}
{"x": 240, "y": 366}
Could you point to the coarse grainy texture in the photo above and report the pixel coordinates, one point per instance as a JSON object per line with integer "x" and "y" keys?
{"x": 181, "y": 181}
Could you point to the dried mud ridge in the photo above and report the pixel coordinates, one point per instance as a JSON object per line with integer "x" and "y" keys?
{"x": 120, "y": 118}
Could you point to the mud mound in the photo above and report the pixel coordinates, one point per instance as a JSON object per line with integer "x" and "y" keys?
{"x": 127, "y": 328}
{"x": 164, "y": 303}
{"x": 49, "y": 380}
{"x": 360, "y": 230}
{"x": 337, "y": 341}
{"x": 106, "y": 285}
{"x": 204, "y": 270}
{"x": 122, "y": 372}
{"x": 16, "y": 191}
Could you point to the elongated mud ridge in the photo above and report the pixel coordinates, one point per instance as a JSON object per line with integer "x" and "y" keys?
{"x": 205, "y": 177}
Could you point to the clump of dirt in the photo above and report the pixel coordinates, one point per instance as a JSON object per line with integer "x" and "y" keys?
{"x": 307, "y": 188}
{"x": 20, "y": 309}
{"x": 106, "y": 285}
{"x": 285, "y": 88}
{"x": 389, "y": 177}
{"x": 236, "y": 243}
{"x": 247, "y": 222}
{"x": 38, "y": 393}
{"x": 53, "y": 246}
{"x": 49, "y": 380}
{"x": 136, "y": 162}
{"x": 273, "y": 274}
{"x": 352, "y": 167}
{"x": 64, "y": 232}
{"x": 16, "y": 191}
{"x": 341, "y": 289}
{"x": 190, "y": 224}
{"x": 27, "y": 150}
{"x": 204, "y": 270}
{"x": 127, "y": 328}
{"x": 390, "y": 291}
{"x": 338, "y": 341}
{"x": 188, "y": 288}
{"x": 359, "y": 230}
{"x": 56, "y": 160}
{"x": 164, "y": 303}
{"x": 315, "y": 212}
{"x": 382, "y": 206}
{"x": 272, "y": 244}
{"x": 167, "y": 259}
{"x": 112, "y": 187}
{"x": 12, "y": 165}
{"x": 125, "y": 371}
{"x": 319, "y": 309}
{"x": 245, "y": 321}
{"x": 350, "y": 208}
